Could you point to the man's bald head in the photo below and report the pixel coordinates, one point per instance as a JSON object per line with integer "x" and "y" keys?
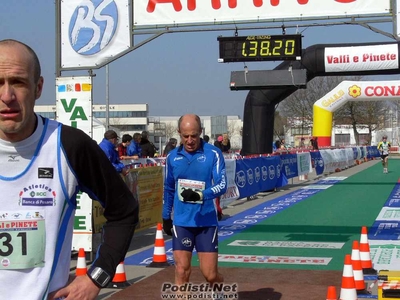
{"x": 35, "y": 60}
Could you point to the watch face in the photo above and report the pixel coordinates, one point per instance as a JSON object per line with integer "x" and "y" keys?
{"x": 100, "y": 276}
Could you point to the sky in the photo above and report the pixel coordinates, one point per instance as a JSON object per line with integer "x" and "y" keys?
{"x": 174, "y": 74}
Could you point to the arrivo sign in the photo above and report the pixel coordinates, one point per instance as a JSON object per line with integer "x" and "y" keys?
{"x": 216, "y": 4}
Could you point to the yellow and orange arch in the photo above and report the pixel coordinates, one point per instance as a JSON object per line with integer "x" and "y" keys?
{"x": 324, "y": 108}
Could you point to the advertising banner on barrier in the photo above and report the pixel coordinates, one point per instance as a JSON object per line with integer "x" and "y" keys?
{"x": 317, "y": 162}
{"x": 254, "y": 175}
{"x": 304, "y": 163}
{"x": 329, "y": 161}
{"x": 98, "y": 217}
{"x": 232, "y": 191}
{"x": 147, "y": 185}
{"x": 289, "y": 165}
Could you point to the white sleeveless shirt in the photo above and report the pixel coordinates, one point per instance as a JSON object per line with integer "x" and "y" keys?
{"x": 36, "y": 216}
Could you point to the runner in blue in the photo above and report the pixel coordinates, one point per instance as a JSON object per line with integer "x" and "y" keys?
{"x": 194, "y": 176}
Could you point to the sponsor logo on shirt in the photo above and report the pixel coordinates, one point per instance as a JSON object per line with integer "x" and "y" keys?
{"x": 45, "y": 172}
{"x": 201, "y": 158}
{"x": 37, "y": 195}
{"x": 13, "y": 158}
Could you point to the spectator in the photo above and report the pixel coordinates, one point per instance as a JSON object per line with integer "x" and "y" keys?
{"x": 134, "y": 150}
{"x": 278, "y": 144}
{"x": 218, "y": 142}
{"x": 108, "y": 144}
{"x": 314, "y": 143}
{"x": 60, "y": 161}
{"x": 206, "y": 138}
{"x": 274, "y": 147}
{"x": 171, "y": 145}
{"x": 195, "y": 176}
{"x": 282, "y": 144}
{"x": 123, "y": 146}
{"x": 302, "y": 143}
{"x": 225, "y": 143}
{"x": 148, "y": 148}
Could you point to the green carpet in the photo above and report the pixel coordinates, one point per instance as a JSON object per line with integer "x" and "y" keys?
{"x": 333, "y": 215}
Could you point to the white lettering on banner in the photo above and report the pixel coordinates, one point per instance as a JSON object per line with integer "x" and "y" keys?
{"x": 361, "y": 58}
{"x": 286, "y": 244}
{"x": 256, "y": 217}
{"x": 86, "y": 15}
{"x": 159, "y": 12}
{"x": 225, "y": 233}
{"x": 334, "y": 178}
{"x": 245, "y": 221}
{"x": 291, "y": 260}
{"x": 389, "y": 214}
{"x": 233, "y": 227}
{"x": 317, "y": 187}
{"x": 385, "y": 254}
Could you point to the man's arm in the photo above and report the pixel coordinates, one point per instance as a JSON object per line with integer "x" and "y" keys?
{"x": 219, "y": 178}
{"x": 169, "y": 191}
{"x": 98, "y": 178}
{"x": 132, "y": 149}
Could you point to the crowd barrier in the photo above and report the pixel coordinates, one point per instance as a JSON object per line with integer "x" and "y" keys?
{"x": 246, "y": 176}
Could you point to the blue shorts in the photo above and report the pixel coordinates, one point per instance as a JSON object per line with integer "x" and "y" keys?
{"x": 205, "y": 239}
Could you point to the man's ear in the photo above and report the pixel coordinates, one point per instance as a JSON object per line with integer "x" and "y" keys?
{"x": 39, "y": 88}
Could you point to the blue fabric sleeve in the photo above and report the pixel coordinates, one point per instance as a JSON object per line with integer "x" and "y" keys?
{"x": 219, "y": 178}
{"x": 169, "y": 191}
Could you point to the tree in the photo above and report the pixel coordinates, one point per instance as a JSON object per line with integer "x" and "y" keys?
{"x": 234, "y": 133}
{"x": 280, "y": 125}
{"x": 171, "y": 130}
{"x": 298, "y": 107}
{"x": 362, "y": 115}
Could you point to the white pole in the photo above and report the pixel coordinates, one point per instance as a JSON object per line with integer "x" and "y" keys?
{"x": 107, "y": 100}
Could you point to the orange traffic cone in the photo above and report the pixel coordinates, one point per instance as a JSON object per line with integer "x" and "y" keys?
{"x": 348, "y": 290}
{"x": 357, "y": 270}
{"x": 81, "y": 268}
{"x": 365, "y": 256}
{"x": 159, "y": 256}
{"x": 331, "y": 293}
{"x": 119, "y": 280}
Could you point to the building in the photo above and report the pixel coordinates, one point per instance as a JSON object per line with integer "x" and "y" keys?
{"x": 131, "y": 118}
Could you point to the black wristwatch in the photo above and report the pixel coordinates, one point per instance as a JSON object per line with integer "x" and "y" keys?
{"x": 100, "y": 277}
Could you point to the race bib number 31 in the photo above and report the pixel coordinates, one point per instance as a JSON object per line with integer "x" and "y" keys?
{"x": 22, "y": 242}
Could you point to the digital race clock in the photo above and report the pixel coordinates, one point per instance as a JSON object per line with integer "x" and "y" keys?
{"x": 259, "y": 48}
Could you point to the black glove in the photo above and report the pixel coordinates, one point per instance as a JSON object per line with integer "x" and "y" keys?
{"x": 167, "y": 226}
{"x": 190, "y": 196}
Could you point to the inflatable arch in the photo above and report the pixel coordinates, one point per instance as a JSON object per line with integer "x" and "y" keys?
{"x": 318, "y": 60}
{"x": 346, "y": 91}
